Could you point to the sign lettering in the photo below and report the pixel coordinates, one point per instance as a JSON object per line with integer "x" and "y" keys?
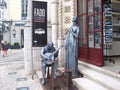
{"x": 39, "y": 23}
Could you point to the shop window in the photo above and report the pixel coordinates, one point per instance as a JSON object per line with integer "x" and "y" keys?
{"x": 90, "y": 23}
{"x": 97, "y": 22}
{"x": 82, "y": 7}
{"x": 83, "y": 38}
{"x": 91, "y": 40}
{"x": 90, "y": 8}
{"x": 97, "y": 39}
{"x": 97, "y": 6}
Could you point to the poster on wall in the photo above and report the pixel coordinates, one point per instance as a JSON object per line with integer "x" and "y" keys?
{"x": 39, "y": 23}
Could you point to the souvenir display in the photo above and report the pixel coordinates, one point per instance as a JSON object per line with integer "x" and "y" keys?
{"x": 107, "y": 24}
{"x": 107, "y": 28}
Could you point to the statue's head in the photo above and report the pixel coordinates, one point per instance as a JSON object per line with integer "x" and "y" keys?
{"x": 75, "y": 19}
{"x": 2, "y": 41}
{"x": 50, "y": 44}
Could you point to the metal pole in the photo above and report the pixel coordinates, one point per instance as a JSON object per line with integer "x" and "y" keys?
{"x": 10, "y": 25}
{"x": 2, "y": 27}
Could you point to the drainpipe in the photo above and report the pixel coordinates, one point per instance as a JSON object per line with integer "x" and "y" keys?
{"x": 54, "y": 20}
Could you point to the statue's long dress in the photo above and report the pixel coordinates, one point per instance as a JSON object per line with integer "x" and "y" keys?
{"x": 71, "y": 57}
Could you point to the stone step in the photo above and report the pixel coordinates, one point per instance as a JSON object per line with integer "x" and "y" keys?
{"x": 99, "y": 76}
{"x": 96, "y": 68}
{"x": 87, "y": 84}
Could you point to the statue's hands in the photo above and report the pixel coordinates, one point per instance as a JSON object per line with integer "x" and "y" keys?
{"x": 65, "y": 46}
{"x": 48, "y": 58}
{"x": 76, "y": 37}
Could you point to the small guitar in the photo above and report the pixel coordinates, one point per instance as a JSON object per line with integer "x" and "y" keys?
{"x": 51, "y": 55}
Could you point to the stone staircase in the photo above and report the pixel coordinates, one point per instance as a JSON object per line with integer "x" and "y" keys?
{"x": 96, "y": 78}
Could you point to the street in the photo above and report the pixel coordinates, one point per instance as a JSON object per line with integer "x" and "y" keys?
{"x": 12, "y": 76}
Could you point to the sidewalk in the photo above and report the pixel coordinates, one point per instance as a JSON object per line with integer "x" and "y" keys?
{"x": 12, "y": 76}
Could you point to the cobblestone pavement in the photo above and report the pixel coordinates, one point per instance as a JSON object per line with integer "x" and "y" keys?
{"x": 12, "y": 76}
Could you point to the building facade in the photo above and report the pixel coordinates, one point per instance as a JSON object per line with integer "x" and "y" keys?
{"x": 60, "y": 14}
{"x": 3, "y": 16}
{"x": 59, "y": 20}
{"x": 14, "y": 26}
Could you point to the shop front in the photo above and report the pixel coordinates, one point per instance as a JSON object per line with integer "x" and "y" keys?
{"x": 91, "y": 41}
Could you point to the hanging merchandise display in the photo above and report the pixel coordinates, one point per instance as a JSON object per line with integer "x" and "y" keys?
{"x": 107, "y": 28}
{"x": 107, "y": 25}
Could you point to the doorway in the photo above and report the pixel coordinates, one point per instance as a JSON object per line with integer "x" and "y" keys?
{"x": 22, "y": 38}
{"x": 91, "y": 36}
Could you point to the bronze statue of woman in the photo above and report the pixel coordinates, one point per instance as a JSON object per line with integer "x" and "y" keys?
{"x": 71, "y": 47}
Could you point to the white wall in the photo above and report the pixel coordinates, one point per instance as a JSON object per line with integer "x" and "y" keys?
{"x": 15, "y": 9}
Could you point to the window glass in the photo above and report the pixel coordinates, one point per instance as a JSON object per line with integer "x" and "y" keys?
{"x": 0, "y": 13}
{"x": 91, "y": 40}
{"x": 82, "y": 6}
{"x": 90, "y": 23}
{"x": 97, "y": 22}
{"x": 97, "y": 5}
{"x": 97, "y": 39}
{"x": 24, "y": 9}
{"x": 82, "y": 23}
{"x": 90, "y": 7}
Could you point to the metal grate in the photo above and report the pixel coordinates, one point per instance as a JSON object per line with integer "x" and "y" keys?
{"x": 22, "y": 79}
{"x": 22, "y": 88}
{"x": 12, "y": 73}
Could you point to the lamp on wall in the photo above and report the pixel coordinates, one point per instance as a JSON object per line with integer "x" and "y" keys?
{"x": 14, "y": 33}
{"x": 3, "y": 26}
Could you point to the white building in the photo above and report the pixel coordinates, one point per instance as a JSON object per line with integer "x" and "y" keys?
{"x": 11, "y": 15}
{"x": 15, "y": 15}
{"x": 59, "y": 17}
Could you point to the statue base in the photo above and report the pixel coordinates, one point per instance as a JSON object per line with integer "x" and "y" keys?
{"x": 61, "y": 83}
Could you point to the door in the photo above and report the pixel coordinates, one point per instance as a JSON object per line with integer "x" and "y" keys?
{"x": 22, "y": 38}
{"x": 83, "y": 40}
{"x": 92, "y": 33}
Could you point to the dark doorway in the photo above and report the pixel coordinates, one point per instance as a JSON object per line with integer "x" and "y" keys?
{"x": 22, "y": 38}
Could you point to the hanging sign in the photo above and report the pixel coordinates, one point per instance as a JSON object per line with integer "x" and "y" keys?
{"x": 39, "y": 23}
